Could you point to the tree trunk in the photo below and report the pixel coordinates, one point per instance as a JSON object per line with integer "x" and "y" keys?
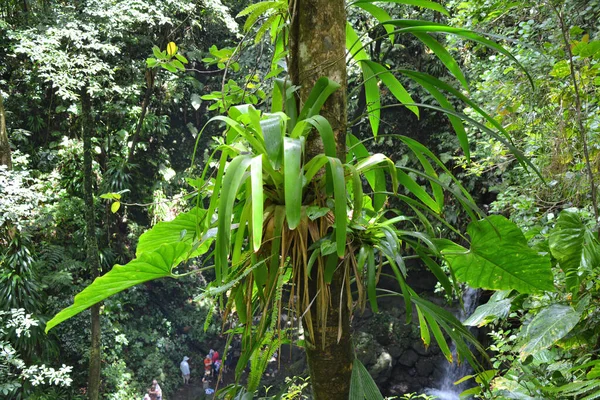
{"x": 91, "y": 243}
{"x": 318, "y": 49}
{"x": 4, "y": 143}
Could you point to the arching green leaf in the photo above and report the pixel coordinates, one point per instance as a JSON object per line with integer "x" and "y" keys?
{"x": 231, "y": 183}
{"x": 444, "y": 56}
{"x": 417, "y": 3}
{"x": 340, "y": 212}
{"x": 148, "y": 266}
{"x": 256, "y": 179}
{"x": 362, "y": 385}
{"x": 372, "y": 97}
{"x": 395, "y": 87}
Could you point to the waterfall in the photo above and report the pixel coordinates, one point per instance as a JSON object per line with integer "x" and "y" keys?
{"x": 446, "y": 390}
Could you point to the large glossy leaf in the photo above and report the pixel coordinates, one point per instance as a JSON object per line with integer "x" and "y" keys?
{"x": 184, "y": 228}
{"x": 362, "y": 385}
{"x": 273, "y": 132}
{"x": 148, "y": 266}
{"x": 547, "y": 327}
{"x": 575, "y": 248}
{"x": 499, "y": 258}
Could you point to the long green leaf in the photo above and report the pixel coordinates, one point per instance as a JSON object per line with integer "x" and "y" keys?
{"x": 340, "y": 212}
{"x": 354, "y": 45}
{"x": 231, "y": 184}
{"x": 256, "y": 179}
{"x": 357, "y": 193}
{"x": 395, "y": 87}
{"x": 362, "y": 385}
{"x": 292, "y": 159}
{"x": 426, "y": 26}
{"x": 379, "y": 14}
{"x": 148, "y": 266}
{"x": 414, "y": 188}
{"x": 319, "y": 94}
{"x": 444, "y": 56}
{"x": 372, "y": 97}
{"x": 417, "y": 3}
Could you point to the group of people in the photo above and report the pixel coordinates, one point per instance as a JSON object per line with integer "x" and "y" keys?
{"x": 154, "y": 393}
{"x": 212, "y": 366}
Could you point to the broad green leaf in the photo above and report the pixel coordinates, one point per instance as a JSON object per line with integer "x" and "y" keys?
{"x": 417, "y": 3}
{"x": 340, "y": 212}
{"x": 292, "y": 164}
{"x": 256, "y": 179}
{"x": 114, "y": 207}
{"x": 395, "y": 87}
{"x": 547, "y": 327}
{"x": 499, "y": 258}
{"x": 148, "y": 266}
{"x": 231, "y": 183}
{"x": 184, "y": 228}
{"x": 362, "y": 385}
{"x": 575, "y": 248}
{"x": 372, "y": 97}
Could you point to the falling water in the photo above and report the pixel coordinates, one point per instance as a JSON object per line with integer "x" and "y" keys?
{"x": 446, "y": 390}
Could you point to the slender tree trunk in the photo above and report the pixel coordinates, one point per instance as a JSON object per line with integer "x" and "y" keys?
{"x": 91, "y": 244}
{"x": 317, "y": 49}
{"x": 145, "y": 102}
{"x": 5, "y": 158}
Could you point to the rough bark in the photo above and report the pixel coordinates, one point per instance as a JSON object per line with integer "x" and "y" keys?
{"x": 5, "y": 158}
{"x": 317, "y": 49}
{"x": 91, "y": 243}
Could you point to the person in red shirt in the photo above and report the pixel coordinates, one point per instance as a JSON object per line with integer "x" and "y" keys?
{"x": 207, "y": 365}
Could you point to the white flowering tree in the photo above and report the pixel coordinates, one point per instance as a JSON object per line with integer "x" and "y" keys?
{"x": 15, "y": 324}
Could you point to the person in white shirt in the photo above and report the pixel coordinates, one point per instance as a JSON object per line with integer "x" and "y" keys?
{"x": 155, "y": 390}
{"x": 185, "y": 370}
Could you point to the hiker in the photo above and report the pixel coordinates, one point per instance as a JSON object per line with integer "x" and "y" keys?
{"x": 147, "y": 397}
{"x": 155, "y": 391}
{"x": 185, "y": 370}
{"x": 214, "y": 359}
{"x": 207, "y": 365}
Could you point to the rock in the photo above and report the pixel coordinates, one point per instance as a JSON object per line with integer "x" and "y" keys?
{"x": 408, "y": 358}
{"x": 424, "y": 367}
{"x": 419, "y": 348}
